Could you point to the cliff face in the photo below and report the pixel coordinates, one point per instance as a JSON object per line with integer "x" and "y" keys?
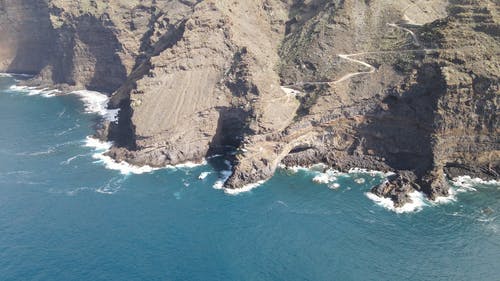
{"x": 25, "y": 36}
{"x": 194, "y": 93}
{"x": 87, "y": 43}
{"x": 386, "y": 85}
{"x": 466, "y": 124}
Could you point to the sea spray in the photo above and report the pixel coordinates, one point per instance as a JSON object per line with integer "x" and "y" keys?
{"x": 101, "y": 147}
{"x": 96, "y": 102}
{"x": 35, "y": 91}
{"x": 466, "y": 183}
{"x": 203, "y": 175}
{"x": 243, "y": 189}
{"x": 417, "y": 204}
{"x": 460, "y": 184}
{"x": 125, "y": 168}
{"x": 224, "y": 175}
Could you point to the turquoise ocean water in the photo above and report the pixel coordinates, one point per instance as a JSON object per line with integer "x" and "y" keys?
{"x": 64, "y": 216}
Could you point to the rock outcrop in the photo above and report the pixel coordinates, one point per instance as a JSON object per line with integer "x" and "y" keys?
{"x": 398, "y": 188}
{"x": 405, "y": 86}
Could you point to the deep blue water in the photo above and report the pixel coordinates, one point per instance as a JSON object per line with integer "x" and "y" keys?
{"x": 76, "y": 220}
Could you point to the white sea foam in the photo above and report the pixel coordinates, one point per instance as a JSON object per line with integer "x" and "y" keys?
{"x": 45, "y": 152}
{"x": 323, "y": 175}
{"x": 177, "y": 195}
{"x": 60, "y": 114}
{"x": 214, "y": 156}
{"x": 69, "y": 160}
{"x": 224, "y": 175}
{"x": 4, "y": 74}
{"x": 326, "y": 177}
{"x": 186, "y": 165}
{"x": 96, "y": 102}
{"x": 323, "y": 167}
{"x": 101, "y": 147}
{"x": 46, "y": 92}
{"x": 243, "y": 189}
{"x": 76, "y": 191}
{"x": 15, "y": 75}
{"x": 463, "y": 184}
{"x": 372, "y": 173}
{"x": 219, "y": 184}
{"x": 124, "y": 167}
{"x": 360, "y": 180}
{"x": 296, "y": 169}
{"x": 331, "y": 175}
{"x": 49, "y": 150}
{"x": 97, "y": 144}
{"x": 24, "y": 89}
{"x": 321, "y": 178}
{"x": 419, "y": 201}
{"x": 334, "y": 186}
{"x": 106, "y": 190}
{"x": 35, "y": 91}
{"x": 416, "y": 206}
{"x": 466, "y": 183}
{"x": 281, "y": 203}
{"x": 452, "y": 197}
{"x": 203, "y": 175}
{"x": 67, "y": 130}
{"x": 111, "y": 187}
{"x": 318, "y": 167}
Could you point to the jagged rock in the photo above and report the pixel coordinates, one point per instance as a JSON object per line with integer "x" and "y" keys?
{"x": 397, "y": 188}
{"x": 385, "y": 85}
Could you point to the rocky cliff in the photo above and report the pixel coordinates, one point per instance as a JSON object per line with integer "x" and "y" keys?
{"x": 409, "y": 86}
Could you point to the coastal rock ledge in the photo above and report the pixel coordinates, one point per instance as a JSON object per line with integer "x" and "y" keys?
{"x": 410, "y": 87}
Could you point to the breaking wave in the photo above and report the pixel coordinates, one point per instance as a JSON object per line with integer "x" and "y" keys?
{"x": 101, "y": 147}
{"x": 459, "y": 185}
{"x": 97, "y": 103}
{"x": 35, "y": 91}
{"x": 243, "y": 189}
{"x": 418, "y": 203}
{"x": 224, "y": 175}
{"x": 125, "y": 168}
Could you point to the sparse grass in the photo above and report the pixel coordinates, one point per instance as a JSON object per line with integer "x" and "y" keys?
{"x": 306, "y": 102}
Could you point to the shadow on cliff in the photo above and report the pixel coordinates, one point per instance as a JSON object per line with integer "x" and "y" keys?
{"x": 402, "y": 130}
{"x": 123, "y": 133}
{"x": 83, "y": 51}
{"x": 103, "y": 45}
{"x": 35, "y": 34}
{"x": 231, "y": 126}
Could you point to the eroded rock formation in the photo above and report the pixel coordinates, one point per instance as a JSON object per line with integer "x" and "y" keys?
{"x": 397, "y": 86}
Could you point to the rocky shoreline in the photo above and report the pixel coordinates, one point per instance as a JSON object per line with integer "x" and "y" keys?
{"x": 377, "y": 85}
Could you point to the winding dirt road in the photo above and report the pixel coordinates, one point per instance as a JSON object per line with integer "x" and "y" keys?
{"x": 370, "y": 68}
